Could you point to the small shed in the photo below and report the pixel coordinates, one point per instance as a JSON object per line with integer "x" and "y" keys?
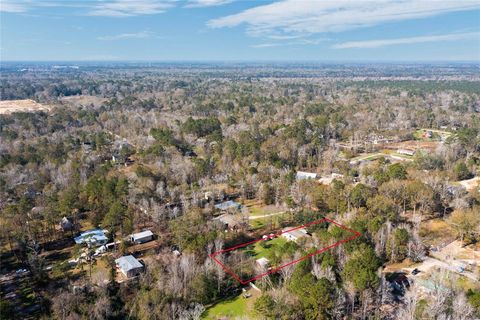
{"x": 407, "y": 152}
{"x": 129, "y": 266}
{"x": 142, "y": 237}
{"x": 263, "y": 263}
{"x": 66, "y": 224}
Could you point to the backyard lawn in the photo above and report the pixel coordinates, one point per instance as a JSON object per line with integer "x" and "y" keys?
{"x": 257, "y": 208}
{"x": 263, "y": 251}
{"x": 238, "y": 306}
{"x": 266, "y": 222}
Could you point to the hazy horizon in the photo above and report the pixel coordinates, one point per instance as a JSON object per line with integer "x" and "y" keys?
{"x": 227, "y": 30}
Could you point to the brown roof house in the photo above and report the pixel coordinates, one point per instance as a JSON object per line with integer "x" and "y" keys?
{"x": 229, "y": 221}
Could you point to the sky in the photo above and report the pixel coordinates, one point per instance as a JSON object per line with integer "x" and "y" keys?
{"x": 234, "y": 30}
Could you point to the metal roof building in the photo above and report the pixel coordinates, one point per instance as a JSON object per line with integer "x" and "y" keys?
{"x": 302, "y": 175}
{"x": 129, "y": 266}
{"x": 94, "y": 237}
{"x": 142, "y": 237}
{"x": 294, "y": 235}
{"x": 228, "y": 205}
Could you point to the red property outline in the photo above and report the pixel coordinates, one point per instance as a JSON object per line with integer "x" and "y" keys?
{"x": 233, "y": 274}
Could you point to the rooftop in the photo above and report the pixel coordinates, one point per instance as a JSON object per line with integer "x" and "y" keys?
{"x": 306, "y": 175}
{"x": 297, "y": 233}
{"x": 227, "y": 204}
{"x": 94, "y": 235}
{"x": 127, "y": 263}
{"x": 143, "y": 234}
{"x": 227, "y": 218}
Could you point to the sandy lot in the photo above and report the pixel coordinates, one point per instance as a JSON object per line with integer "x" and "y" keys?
{"x": 27, "y": 105}
{"x": 470, "y": 184}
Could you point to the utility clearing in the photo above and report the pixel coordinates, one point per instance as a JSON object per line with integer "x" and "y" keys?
{"x": 27, "y": 105}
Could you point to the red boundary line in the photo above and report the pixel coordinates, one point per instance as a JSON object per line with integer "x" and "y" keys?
{"x": 233, "y": 274}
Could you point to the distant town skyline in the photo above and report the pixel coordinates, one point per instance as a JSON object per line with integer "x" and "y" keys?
{"x": 227, "y": 30}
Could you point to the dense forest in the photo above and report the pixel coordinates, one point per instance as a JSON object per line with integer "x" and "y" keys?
{"x": 132, "y": 148}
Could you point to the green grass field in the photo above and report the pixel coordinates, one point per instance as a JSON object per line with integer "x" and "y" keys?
{"x": 436, "y": 134}
{"x": 256, "y": 211}
{"x": 231, "y": 308}
{"x": 267, "y": 221}
{"x": 404, "y": 156}
{"x": 367, "y": 157}
{"x": 238, "y": 306}
{"x": 261, "y": 251}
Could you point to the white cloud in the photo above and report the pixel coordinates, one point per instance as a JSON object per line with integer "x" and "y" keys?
{"x": 15, "y": 7}
{"x": 128, "y": 8}
{"x": 107, "y": 8}
{"x": 266, "y": 45}
{"x": 411, "y": 40}
{"x": 136, "y": 35}
{"x": 206, "y": 3}
{"x": 293, "y": 17}
{"x": 294, "y": 42}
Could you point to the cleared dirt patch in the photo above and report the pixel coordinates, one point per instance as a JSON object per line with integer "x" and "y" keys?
{"x": 83, "y": 100}
{"x": 27, "y": 105}
{"x": 470, "y": 184}
{"x": 414, "y": 145}
{"x": 436, "y": 232}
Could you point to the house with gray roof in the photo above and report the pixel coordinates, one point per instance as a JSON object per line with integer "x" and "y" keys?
{"x": 129, "y": 266}
{"x": 294, "y": 235}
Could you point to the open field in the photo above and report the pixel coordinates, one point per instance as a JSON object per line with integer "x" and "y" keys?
{"x": 366, "y": 157}
{"x": 261, "y": 250}
{"x": 238, "y": 307}
{"x": 436, "y": 232}
{"x": 272, "y": 221}
{"x": 257, "y": 208}
{"x": 414, "y": 145}
{"x": 389, "y": 154}
{"x": 83, "y": 100}
{"x": 435, "y": 134}
{"x": 27, "y": 105}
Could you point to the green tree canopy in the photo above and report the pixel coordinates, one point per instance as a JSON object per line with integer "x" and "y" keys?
{"x": 361, "y": 268}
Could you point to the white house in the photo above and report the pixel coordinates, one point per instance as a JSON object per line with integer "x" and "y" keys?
{"x": 129, "y": 266}
{"x": 142, "y": 237}
{"x": 294, "y": 235}
{"x": 406, "y": 152}
{"x": 302, "y": 175}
